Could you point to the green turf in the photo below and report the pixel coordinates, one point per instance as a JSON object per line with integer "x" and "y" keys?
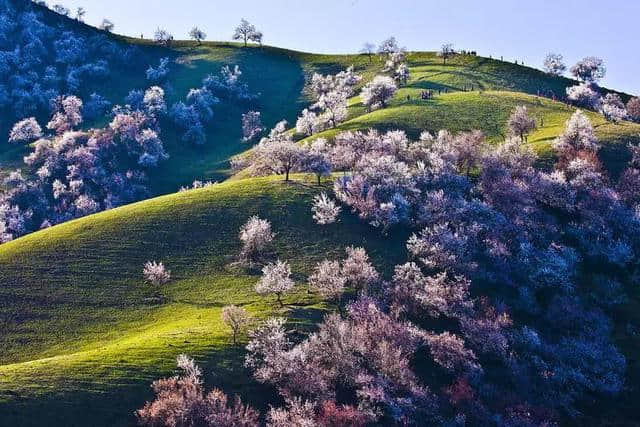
{"x": 81, "y": 329}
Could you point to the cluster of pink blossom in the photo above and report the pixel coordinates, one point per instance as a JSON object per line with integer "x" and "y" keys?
{"x": 331, "y": 278}
{"x": 368, "y": 353}
{"x": 512, "y": 275}
{"x": 520, "y": 123}
{"x": 182, "y": 401}
{"x": 633, "y": 109}
{"x": 276, "y": 153}
{"x": 613, "y": 108}
{"x": 502, "y": 311}
{"x": 76, "y": 173}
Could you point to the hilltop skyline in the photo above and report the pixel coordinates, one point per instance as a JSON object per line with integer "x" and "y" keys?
{"x": 526, "y": 31}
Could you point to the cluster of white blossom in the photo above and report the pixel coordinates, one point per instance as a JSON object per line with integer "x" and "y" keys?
{"x": 325, "y": 210}
{"x": 590, "y": 71}
{"x": 156, "y": 273}
{"x": 330, "y": 108}
{"x": 251, "y": 125}
{"x": 256, "y": 235}
{"x": 378, "y": 92}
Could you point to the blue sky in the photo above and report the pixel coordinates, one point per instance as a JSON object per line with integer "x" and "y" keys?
{"x": 515, "y": 29}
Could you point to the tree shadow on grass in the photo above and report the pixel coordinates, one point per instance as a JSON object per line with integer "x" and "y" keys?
{"x": 306, "y": 316}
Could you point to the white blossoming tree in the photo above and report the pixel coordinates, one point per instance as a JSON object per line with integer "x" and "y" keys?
{"x": 578, "y": 135}
{"x": 584, "y": 94}
{"x": 256, "y": 235}
{"x": 357, "y": 269}
{"x": 276, "y": 279}
{"x": 327, "y": 279}
{"x": 589, "y": 70}
{"x": 316, "y": 158}
{"x": 107, "y": 25}
{"x": 156, "y": 273}
{"x": 521, "y": 123}
{"x": 446, "y": 52}
{"x": 25, "y": 131}
{"x": 613, "y": 108}
{"x": 251, "y": 125}
{"x": 368, "y": 49}
{"x": 163, "y": 37}
{"x": 378, "y": 92}
{"x": 237, "y": 319}
{"x": 197, "y": 34}
{"x": 554, "y": 64}
{"x": 277, "y": 154}
{"x": 325, "y": 211}
{"x": 247, "y": 32}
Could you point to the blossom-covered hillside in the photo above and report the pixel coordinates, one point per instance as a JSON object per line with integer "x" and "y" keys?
{"x": 404, "y": 238}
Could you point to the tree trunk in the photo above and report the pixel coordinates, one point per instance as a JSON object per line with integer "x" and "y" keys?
{"x": 279, "y": 300}
{"x": 318, "y": 179}
{"x": 286, "y": 175}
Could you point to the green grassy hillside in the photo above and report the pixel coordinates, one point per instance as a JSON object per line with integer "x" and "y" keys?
{"x": 488, "y": 111}
{"x": 83, "y": 332}
{"x": 279, "y": 75}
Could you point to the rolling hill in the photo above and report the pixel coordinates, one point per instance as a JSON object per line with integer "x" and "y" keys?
{"x": 81, "y": 327}
{"x": 82, "y": 334}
